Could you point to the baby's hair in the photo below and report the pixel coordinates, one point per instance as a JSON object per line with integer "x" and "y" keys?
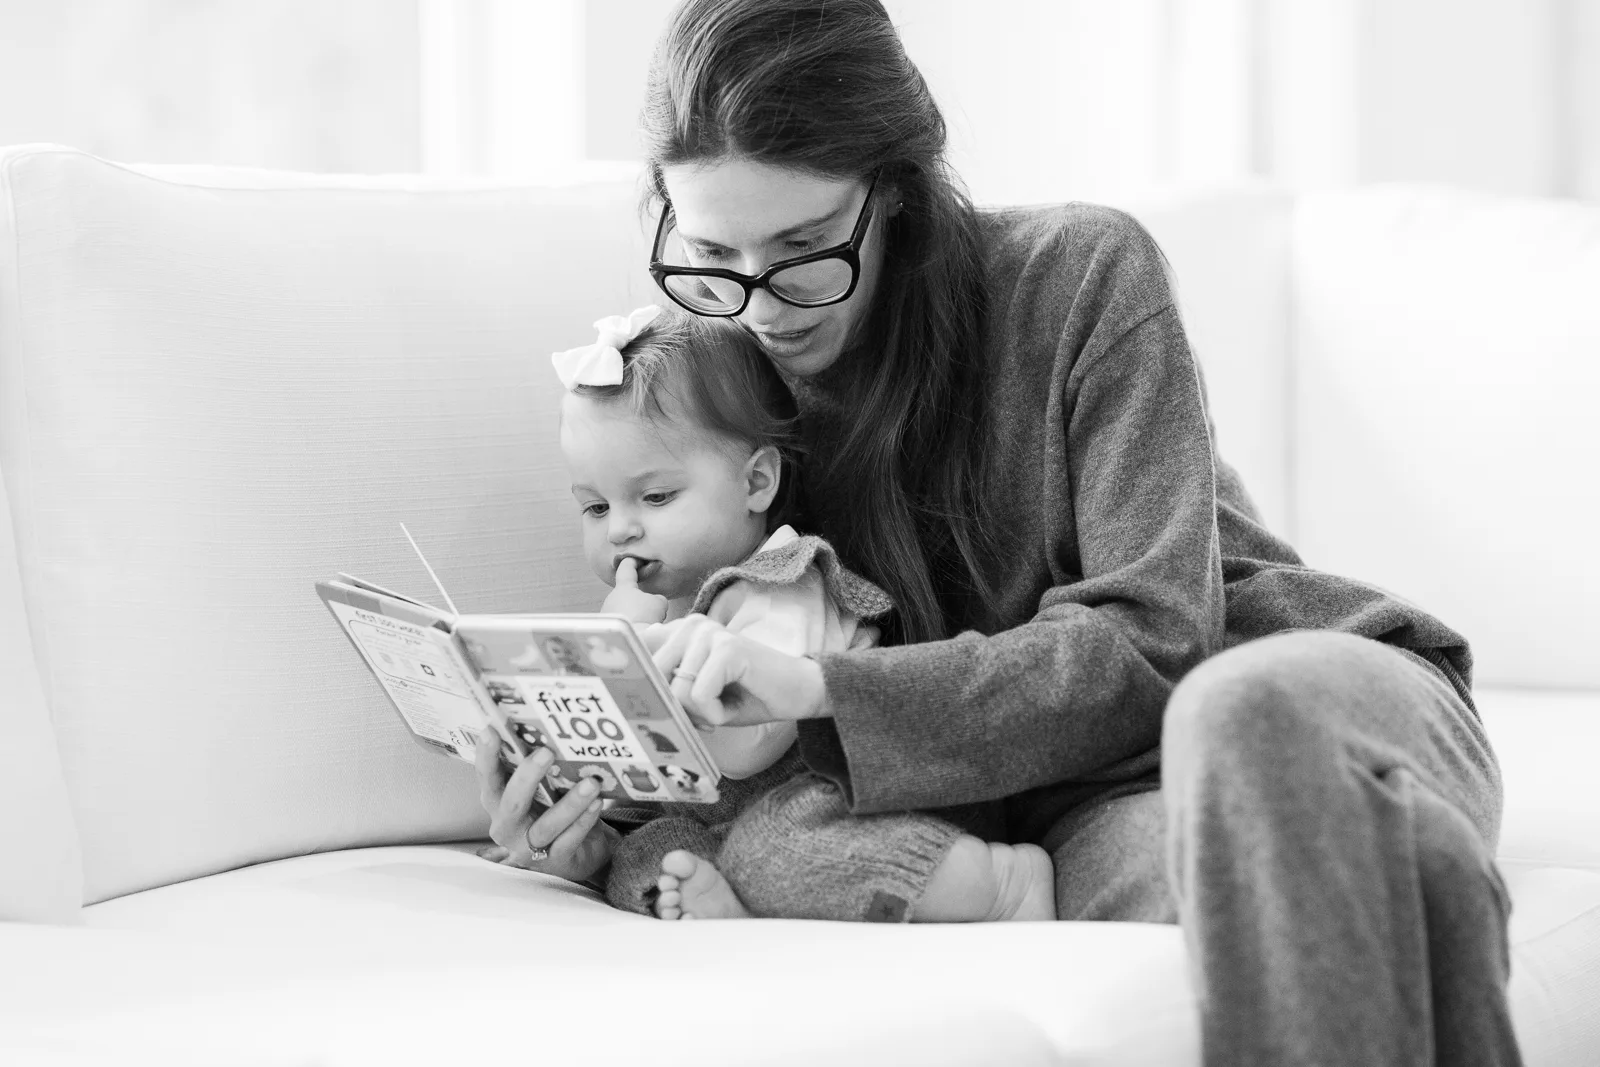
{"x": 716, "y": 376}
{"x": 715, "y": 373}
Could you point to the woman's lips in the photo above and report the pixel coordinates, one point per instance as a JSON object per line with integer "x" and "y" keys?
{"x": 785, "y": 343}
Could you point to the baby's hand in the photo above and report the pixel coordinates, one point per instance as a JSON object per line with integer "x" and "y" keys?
{"x": 628, "y": 600}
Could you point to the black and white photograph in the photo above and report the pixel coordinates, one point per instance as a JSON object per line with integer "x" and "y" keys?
{"x": 1125, "y": 467}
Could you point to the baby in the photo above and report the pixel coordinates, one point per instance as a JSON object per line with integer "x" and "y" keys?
{"x": 674, "y": 429}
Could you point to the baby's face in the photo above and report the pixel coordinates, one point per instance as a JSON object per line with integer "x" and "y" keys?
{"x": 674, "y": 501}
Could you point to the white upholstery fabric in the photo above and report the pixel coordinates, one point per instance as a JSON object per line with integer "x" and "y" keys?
{"x": 209, "y": 398}
{"x": 1550, "y": 856}
{"x": 1547, "y": 744}
{"x": 41, "y": 873}
{"x": 419, "y": 1015}
{"x": 1447, "y": 365}
{"x": 443, "y": 921}
{"x": 412, "y": 984}
{"x": 40, "y": 866}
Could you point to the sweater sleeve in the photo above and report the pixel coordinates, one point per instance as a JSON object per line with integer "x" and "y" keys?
{"x": 1134, "y": 600}
{"x": 782, "y": 617}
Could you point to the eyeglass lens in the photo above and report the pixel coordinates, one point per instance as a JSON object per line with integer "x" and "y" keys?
{"x": 807, "y": 283}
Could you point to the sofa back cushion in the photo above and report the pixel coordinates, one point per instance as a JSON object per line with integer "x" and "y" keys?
{"x": 217, "y": 387}
{"x": 1447, "y": 377}
{"x": 40, "y": 874}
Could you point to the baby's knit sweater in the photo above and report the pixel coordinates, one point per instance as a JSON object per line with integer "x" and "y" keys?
{"x": 1129, "y": 550}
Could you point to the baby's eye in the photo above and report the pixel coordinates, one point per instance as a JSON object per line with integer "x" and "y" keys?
{"x": 594, "y": 511}
{"x": 660, "y": 497}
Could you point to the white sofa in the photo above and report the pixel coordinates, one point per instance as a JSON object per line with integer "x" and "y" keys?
{"x": 220, "y": 846}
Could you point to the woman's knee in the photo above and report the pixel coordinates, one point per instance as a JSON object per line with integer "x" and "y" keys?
{"x": 1263, "y": 700}
{"x": 1455, "y": 860}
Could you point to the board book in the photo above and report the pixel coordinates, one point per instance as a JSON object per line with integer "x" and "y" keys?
{"x": 582, "y": 685}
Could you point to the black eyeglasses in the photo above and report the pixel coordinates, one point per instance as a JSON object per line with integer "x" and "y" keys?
{"x": 810, "y": 281}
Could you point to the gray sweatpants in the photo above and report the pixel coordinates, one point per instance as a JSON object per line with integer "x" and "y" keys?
{"x": 788, "y": 845}
{"x": 1324, "y": 830}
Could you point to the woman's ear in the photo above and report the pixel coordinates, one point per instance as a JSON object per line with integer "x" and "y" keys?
{"x": 761, "y": 474}
{"x": 893, "y": 201}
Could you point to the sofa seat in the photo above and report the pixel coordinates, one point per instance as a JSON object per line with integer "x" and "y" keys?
{"x": 1550, "y": 856}
{"x": 420, "y": 953}
{"x": 347, "y": 952}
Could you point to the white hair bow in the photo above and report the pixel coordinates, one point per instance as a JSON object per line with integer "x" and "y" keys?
{"x": 601, "y": 362}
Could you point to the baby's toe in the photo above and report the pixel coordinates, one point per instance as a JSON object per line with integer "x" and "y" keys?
{"x": 679, "y": 864}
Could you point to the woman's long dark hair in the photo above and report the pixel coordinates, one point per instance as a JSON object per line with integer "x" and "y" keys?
{"x": 824, "y": 86}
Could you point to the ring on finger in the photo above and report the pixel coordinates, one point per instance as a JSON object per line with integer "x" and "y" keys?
{"x": 687, "y": 676}
{"x": 535, "y": 852}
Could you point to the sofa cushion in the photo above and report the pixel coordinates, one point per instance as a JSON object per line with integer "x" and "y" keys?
{"x": 1445, "y": 438}
{"x": 329, "y": 937}
{"x": 38, "y": 841}
{"x": 217, "y": 387}
{"x": 1546, "y": 743}
{"x": 131, "y": 998}
{"x": 448, "y": 926}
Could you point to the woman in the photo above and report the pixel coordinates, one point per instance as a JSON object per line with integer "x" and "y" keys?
{"x": 1100, "y": 647}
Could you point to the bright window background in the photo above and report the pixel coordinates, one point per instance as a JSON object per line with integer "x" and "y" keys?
{"x": 1046, "y": 99}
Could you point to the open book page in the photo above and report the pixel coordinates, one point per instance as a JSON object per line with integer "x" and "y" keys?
{"x": 416, "y": 662}
{"x": 374, "y": 587}
{"x": 583, "y": 687}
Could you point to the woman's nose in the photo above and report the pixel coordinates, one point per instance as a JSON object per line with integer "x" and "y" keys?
{"x": 763, "y": 310}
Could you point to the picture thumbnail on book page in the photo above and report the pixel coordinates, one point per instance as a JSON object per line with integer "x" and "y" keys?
{"x": 587, "y": 698}
{"x": 578, "y": 719}
{"x": 417, "y": 673}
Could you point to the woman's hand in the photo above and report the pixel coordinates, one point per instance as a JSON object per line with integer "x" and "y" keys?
{"x": 578, "y": 844}
{"x": 724, "y": 679}
{"x": 627, "y": 599}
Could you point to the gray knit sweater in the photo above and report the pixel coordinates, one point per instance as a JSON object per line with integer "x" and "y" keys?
{"x": 1131, "y": 550}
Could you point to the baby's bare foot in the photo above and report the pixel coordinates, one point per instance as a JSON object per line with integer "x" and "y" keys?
{"x": 1027, "y": 883}
{"x": 691, "y": 888}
